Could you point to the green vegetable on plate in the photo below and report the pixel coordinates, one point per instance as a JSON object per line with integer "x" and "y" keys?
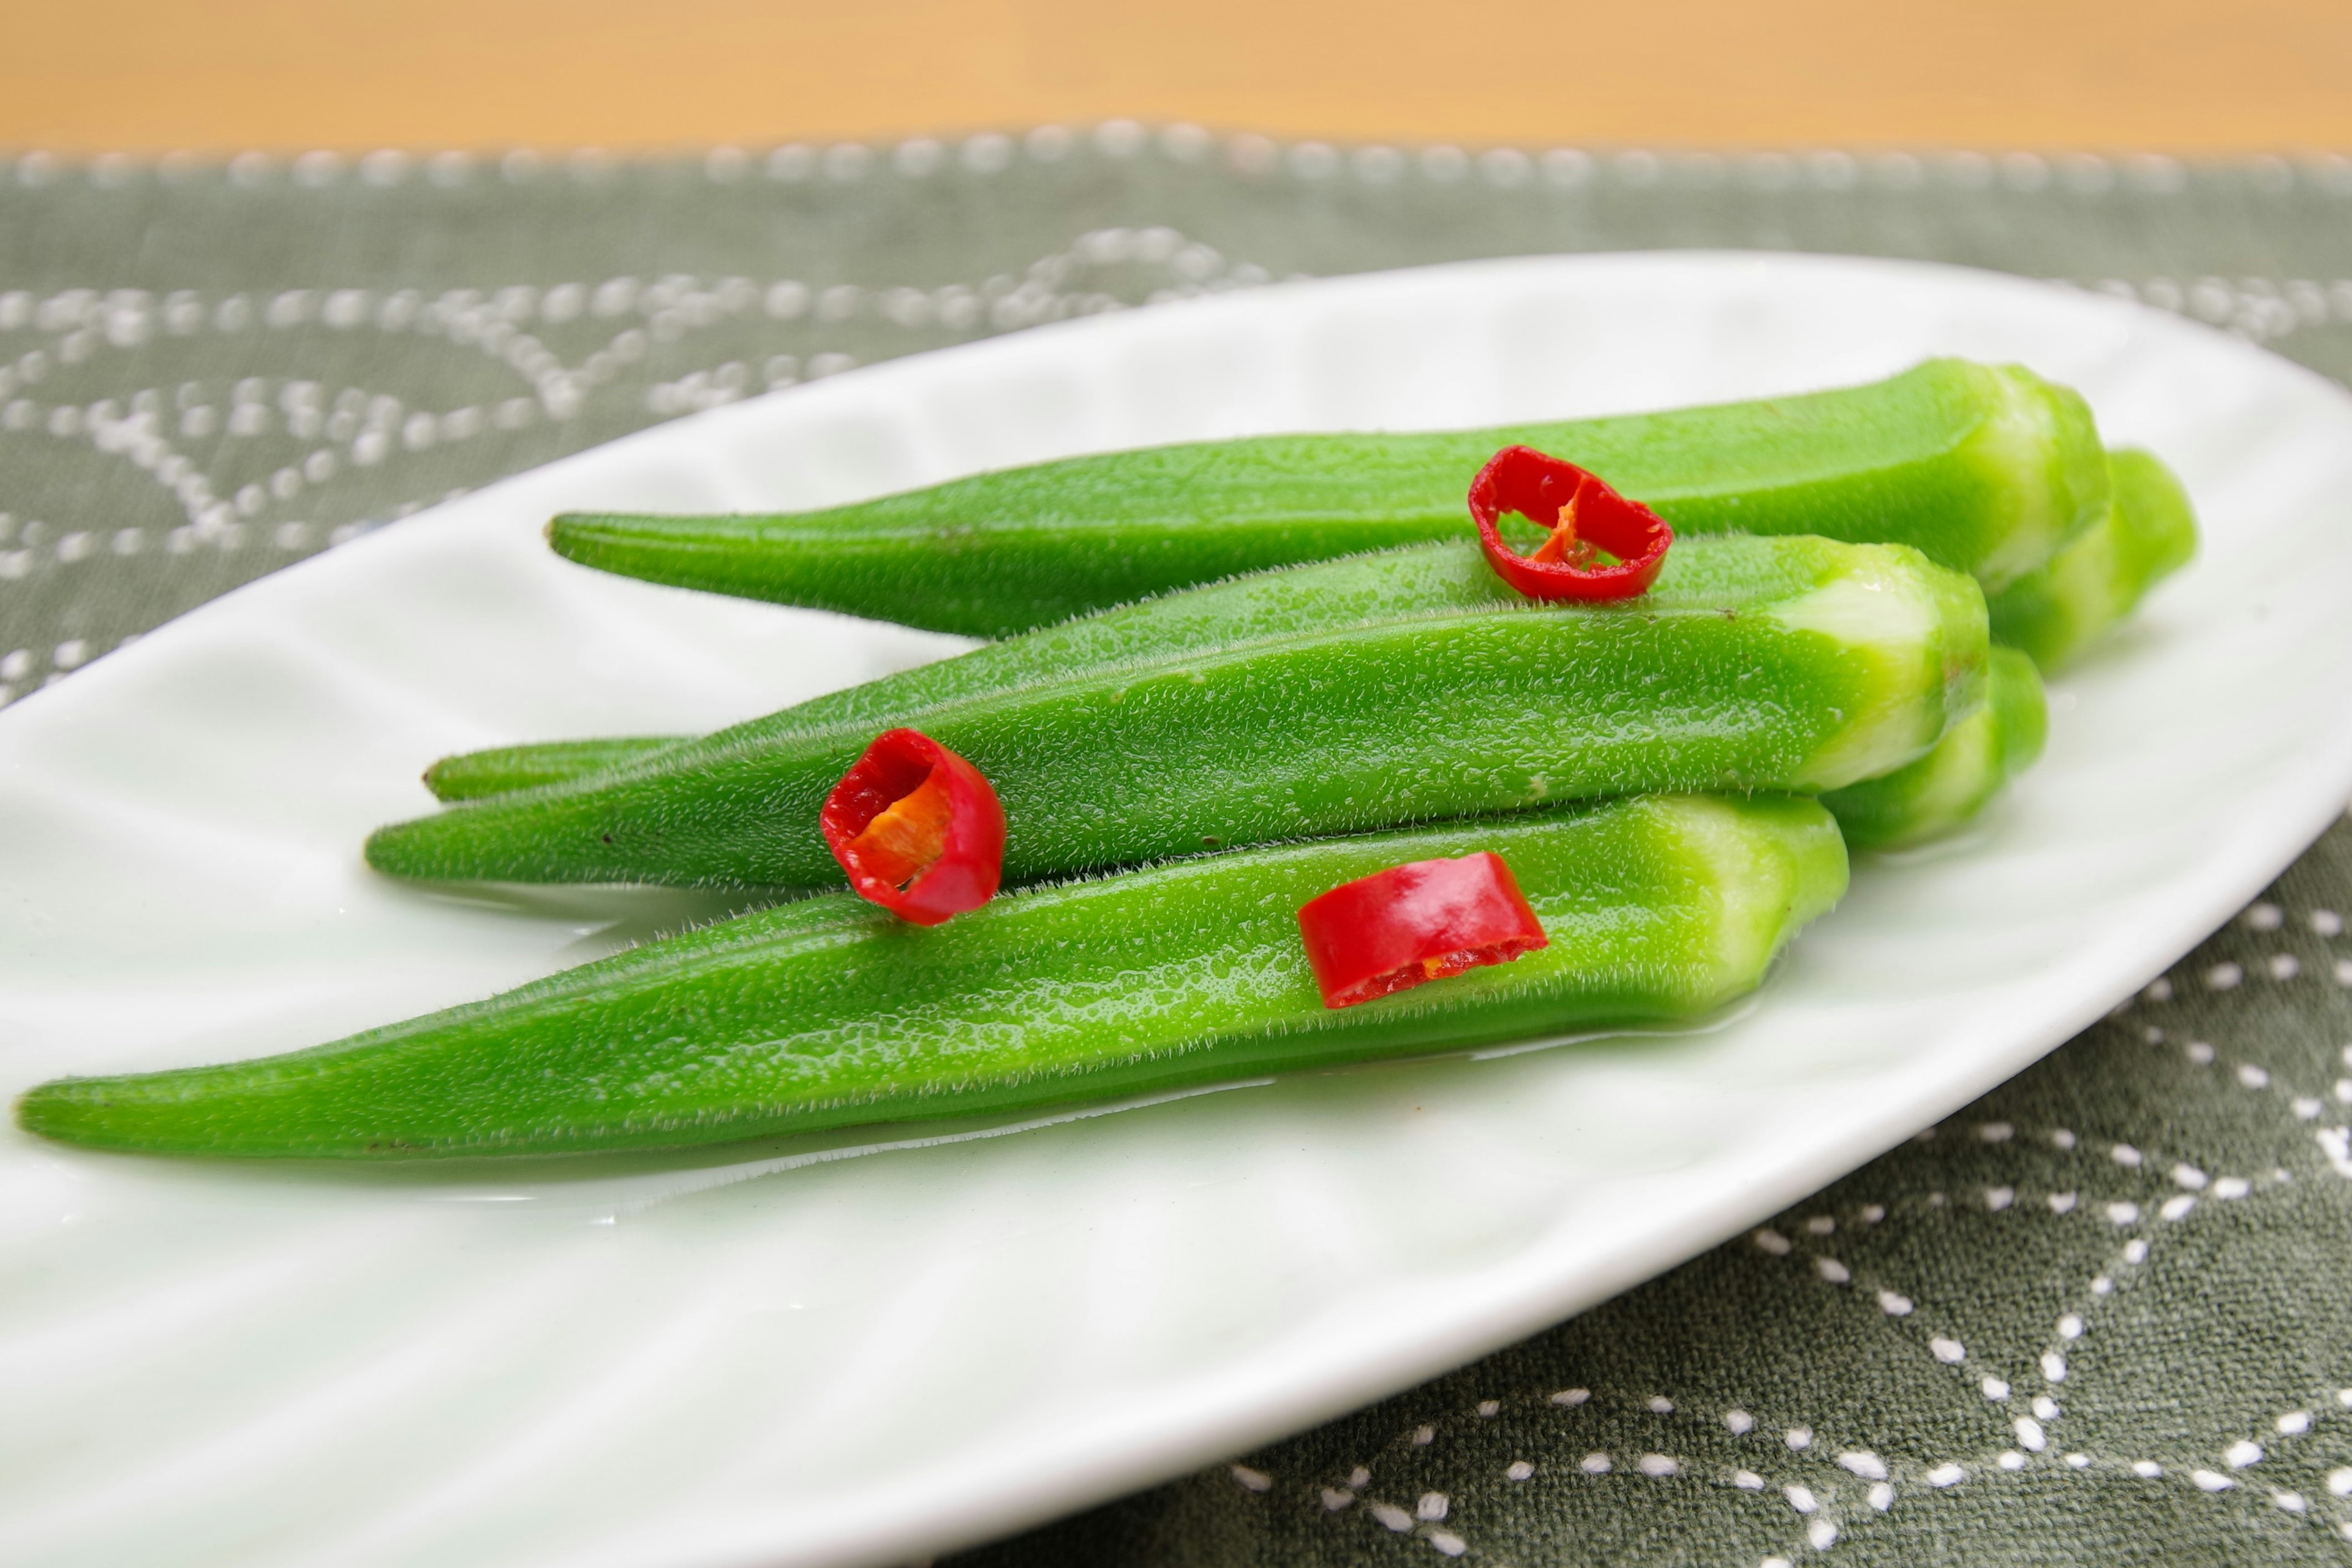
{"x": 1938, "y": 791}
{"x": 2059, "y": 607}
{"x": 1184, "y": 781}
{"x": 1987, "y": 469}
{"x": 1343, "y": 697}
{"x": 829, "y": 1012}
{"x": 469, "y": 775}
{"x": 502, "y": 770}
{"x": 1951, "y": 783}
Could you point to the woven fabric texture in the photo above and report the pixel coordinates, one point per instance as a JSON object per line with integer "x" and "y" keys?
{"x": 2098, "y": 1317}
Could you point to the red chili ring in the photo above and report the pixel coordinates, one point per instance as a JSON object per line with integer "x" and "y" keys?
{"x": 1582, "y": 510}
{"x": 1413, "y": 923}
{"x": 918, "y": 828}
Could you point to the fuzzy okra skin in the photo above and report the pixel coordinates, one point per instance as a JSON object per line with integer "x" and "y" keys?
{"x": 1348, "y": 696}
{"x": 472, "y": 775}
{"x": 2149, "y": 533}
{"x": 1984, "y": 468}
{"x": 1972, "y": 762}
{"x": 1922, "y": 800}
{"x": 829, "y": 1012}
{"x": 503, "y": 770}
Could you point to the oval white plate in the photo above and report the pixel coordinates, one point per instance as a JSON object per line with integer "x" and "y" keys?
{"x": 793, "y": 1355}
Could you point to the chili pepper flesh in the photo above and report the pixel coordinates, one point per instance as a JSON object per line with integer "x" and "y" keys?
{"x": 1582, "y": 513}
{"x": 919, "y": 829}
{"x": 908, "y": 839}
{"x": 1411, "y": 924}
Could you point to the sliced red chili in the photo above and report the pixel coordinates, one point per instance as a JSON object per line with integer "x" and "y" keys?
{"x": 1414, "y": 923}
{"x": 918, "y": 828}
{"x": 1585, "y": 516}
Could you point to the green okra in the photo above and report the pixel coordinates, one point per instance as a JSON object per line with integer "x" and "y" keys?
{"x": 2149, "y": 533}
{"x": 503, "y": 770}
{"x": 1343, "y": 697}
{"x": 470, "y": 775}
{"x": 1968, "y": 767}
{"x": 1919, "y": 801}
{"x": 1985, "y": 468}
{"x": 829, "y": 1012}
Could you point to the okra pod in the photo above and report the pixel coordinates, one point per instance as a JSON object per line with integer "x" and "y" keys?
{"x": 1921, "y": 800}
{"x": 470, "y": 775}
{"x": 1343, "y": 697}
{"x": 1987, "y": 469}
{"x": 1967, "y": 768}
{"x": 828, "y": 1013}
{"x": 2149, "y": 533}
{"x": 502, "y": 770}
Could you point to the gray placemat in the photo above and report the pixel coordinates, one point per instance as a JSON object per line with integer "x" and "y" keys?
{"x": 2099, "y": 1317}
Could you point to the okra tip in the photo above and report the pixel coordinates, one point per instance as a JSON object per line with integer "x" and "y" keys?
{"x": 566, "y": 528}
{"x": 79, "y": 1110}
{"x": 556, "y": 530}
{"x": 414, "y": 851}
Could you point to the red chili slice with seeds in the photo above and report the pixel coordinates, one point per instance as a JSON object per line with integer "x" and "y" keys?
{"x": 1585, "y": 516}
{"x": 918, "y": 828}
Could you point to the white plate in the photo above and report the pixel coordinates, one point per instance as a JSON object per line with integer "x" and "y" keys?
{"x": 764, "y": 1356}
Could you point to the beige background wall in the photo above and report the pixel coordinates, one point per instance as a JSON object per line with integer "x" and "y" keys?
{"x": 2182, "y": 75}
